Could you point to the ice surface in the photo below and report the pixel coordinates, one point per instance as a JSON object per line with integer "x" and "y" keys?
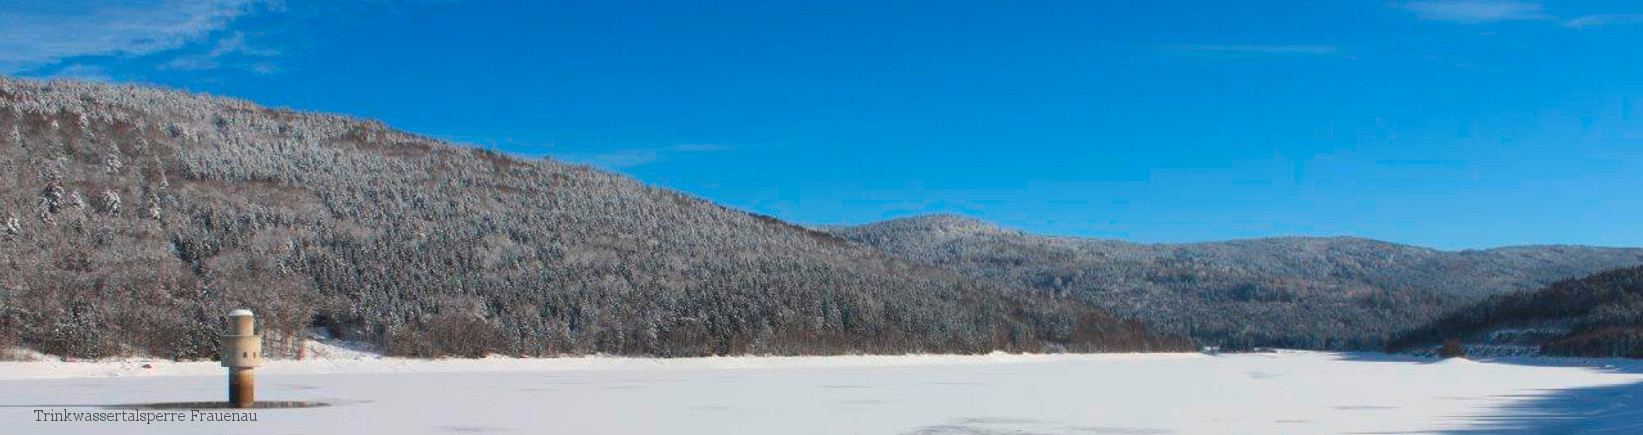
{"x": 1286, "y": 392}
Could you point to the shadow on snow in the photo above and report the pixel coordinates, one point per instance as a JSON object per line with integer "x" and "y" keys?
{"x": 1598, "y": 409}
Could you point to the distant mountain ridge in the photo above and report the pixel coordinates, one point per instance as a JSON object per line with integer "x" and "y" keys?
{"x": 1308, "y": 292}
{"x": 133, "y": 218}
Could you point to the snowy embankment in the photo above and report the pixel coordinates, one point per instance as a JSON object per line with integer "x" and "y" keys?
{"x": 339, "y": 358}
{"x": 1285, "y": 392}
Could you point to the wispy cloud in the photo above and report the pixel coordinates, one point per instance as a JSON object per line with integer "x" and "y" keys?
{"x": 1490, "y": 11}
{"x": 616, "y": 159}
{"x": 230, "y": 48}
{"x": 1476, "y": 11}
{"x": 1604, "y": 20}
{"x": 1267, "y": 49}
{"x": 83, "y": 72}
{"x": 1456, "y": 62}
{"x": 43, "y": 34}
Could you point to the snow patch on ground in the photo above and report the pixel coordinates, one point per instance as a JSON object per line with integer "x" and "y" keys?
{"x": 321, "y": 346}
{"x": 16, "y": 354}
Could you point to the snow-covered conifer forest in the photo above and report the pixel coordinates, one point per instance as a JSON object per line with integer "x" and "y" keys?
{"x": 131, "y": 218}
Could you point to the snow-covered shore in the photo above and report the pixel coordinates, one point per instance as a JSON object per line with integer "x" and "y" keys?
{"x": 1285, "y": 392}
{"x": 366, "y": 363}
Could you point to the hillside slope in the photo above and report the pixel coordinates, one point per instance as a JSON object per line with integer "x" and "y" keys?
{"x": 1596, "y": 316}
{"x": 1321, "y": 293}
{"x": 132, "y": 218}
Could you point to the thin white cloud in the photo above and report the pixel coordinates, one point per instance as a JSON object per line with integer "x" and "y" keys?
{"x": 265, "y": 68}
{"x": 1604, "y": 20}
{"x": 1489, "y": 11}
{"x": 702, "y": 148}
{"x": 1475, "y": 11}
{"x": 628, "y": 158}
{"x": 83, "y": 72}
{"x": 231, "y": 47}
{"x": 1268, "y": 49}
{"x": 38, "y": 34}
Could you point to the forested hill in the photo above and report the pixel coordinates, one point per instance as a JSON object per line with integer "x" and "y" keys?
{"x": 132, "y": 219}
{"x": 1321, "y": 293}
{"x": 1596, "y": 316}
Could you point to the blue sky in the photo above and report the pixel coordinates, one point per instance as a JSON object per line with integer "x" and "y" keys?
{"x": 1453, "y": 124}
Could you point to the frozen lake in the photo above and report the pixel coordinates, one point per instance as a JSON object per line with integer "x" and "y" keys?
{"x": 1289, "y": 392}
